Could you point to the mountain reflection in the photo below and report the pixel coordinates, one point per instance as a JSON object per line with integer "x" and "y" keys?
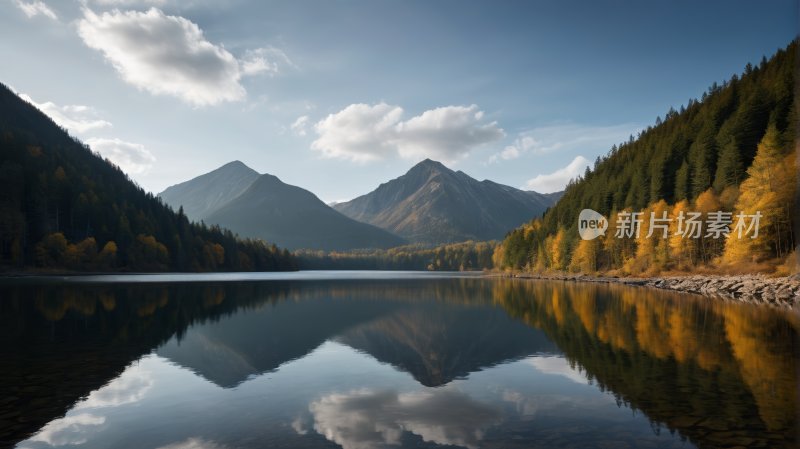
{"x": 230, "y": 350}
{"x": 718, "y": 373}
{"x": 437, "y": 343}
{"x": 363, "y": 420}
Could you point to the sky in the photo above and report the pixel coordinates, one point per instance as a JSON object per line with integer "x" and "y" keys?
{"x": 339, "y": 97}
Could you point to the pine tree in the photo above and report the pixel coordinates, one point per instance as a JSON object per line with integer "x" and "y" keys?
{"x": 682, "y": 187}
{"x": 730, "y": 169}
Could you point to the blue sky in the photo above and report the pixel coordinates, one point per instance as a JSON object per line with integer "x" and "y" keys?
{"x": 339, "y": 97}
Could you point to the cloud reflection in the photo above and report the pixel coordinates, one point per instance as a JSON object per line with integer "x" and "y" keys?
{"x": 129, "y": 387}
{"x": 298, "y": 425}
{"x": 362, "y": 420}
{"x": 76, "y": 429}
{"x": 193, "y": 443}
{"x": 558, "y": 366}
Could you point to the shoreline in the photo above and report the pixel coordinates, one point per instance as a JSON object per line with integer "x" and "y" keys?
{"x": 781, "y": 293}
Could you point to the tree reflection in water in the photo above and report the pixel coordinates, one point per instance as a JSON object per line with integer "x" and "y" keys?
{"x": 721, "y": 374}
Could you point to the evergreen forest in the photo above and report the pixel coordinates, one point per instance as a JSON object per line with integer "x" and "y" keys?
{"x": 730, "y": 151}
{"x": 467, "y": 256}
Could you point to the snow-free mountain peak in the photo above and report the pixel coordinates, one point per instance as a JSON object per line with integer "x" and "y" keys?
{"x": 434, "y": 204}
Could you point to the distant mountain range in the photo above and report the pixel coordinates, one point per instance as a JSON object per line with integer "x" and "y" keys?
{"x": 430, "y": 204}
{"x": 236, "y": 197}
{"x": 433, "y": 204}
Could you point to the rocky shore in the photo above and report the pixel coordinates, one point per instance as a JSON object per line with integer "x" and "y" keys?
{"x": 750, "y": 288}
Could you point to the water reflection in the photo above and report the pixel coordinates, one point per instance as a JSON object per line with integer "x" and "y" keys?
{"x": 363, "y": 419}
{"x": 558, "y": 366}
{"x": 75, "y": 429}
{"x": 193, "y": 443}
{"x": 129, "y": 387}
{"x": 719, "y": 374}
{"x": 698, "y": 366}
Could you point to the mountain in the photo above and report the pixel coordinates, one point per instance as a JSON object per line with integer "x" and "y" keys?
{"x": 433, "y": 204}
{"x": 295, "y": 218}
{"x": 555, "y": 196}
{"x": 63, "y": 206}
{"x": 204, "y": 194}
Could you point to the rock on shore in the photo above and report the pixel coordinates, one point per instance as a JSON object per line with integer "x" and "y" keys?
{"x": 750, "y": 288}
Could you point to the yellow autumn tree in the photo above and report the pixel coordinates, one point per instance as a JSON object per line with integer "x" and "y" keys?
{"x": 708, "y": 246}
{"x": 213, "y": 255}
{"x": 50, "y": 250}
{"x": 646, "y": 246}
{"x": 87, "y": 253}
{"x": 107, "y": 257}
{"x": 145, "y": 253}
{"x": 70, "y": 258}
{"x": 768, "y": 190}
{"x": 497, "y": 258}
{"x": 584, "y": 259}
{"x": 682, "y": 247}
{"x": 558, "y": 250}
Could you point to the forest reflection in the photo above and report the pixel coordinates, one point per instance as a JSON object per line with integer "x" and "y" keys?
{"x": 719, "y": 373}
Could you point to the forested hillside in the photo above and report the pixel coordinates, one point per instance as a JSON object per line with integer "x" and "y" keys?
{"x": 467, "y": 256}
{"x": 733, "y": 150}
{"x": 63, "y": 206}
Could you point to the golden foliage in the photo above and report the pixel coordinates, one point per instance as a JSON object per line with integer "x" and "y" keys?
{"x": 769, "y": 189}
{"x": 728, "y": 340}
{"x": 145, "y": 253}
{"x": 50, "y": 250}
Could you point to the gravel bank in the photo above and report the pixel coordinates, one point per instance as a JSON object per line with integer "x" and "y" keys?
{"x": 750, "y": 288}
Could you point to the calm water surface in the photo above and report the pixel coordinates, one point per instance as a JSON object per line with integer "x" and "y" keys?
{"x": 368, "y": 360}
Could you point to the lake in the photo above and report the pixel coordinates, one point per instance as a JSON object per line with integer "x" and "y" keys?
{"x": 385, "y": 359}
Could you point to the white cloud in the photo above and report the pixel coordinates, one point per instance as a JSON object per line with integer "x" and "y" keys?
{"x": 570, "y": 136}
{"x": 129, "y": 387}
{"x": 558, "y": 180}
{"x": 164, "y": 55}
{"x": 514, "y": 151}
{"x": 558, "y": 366}
{"x": 130, "y": 157}
{"x": 75, "y": 118}
{"x": 359, "y": 132}
{"x": 262, "y": 60}
{"x": 362, "y": 132}
{"x": 445, "y": 133}
{"x": 299, "y": 126}
{"x": 363, "y": 420}
{"x": 75, "y": 429}
{"x": 193, "y": 443}
{"x": 565, "y": 137}
{"x": 35, "y": 8}
{"x": 262, "y": 99}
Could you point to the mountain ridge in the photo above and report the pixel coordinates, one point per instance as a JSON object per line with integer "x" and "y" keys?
{"x": 296, "y": 218}
{"x": 202, "y": 195}
{"x": 434, "y": 204}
